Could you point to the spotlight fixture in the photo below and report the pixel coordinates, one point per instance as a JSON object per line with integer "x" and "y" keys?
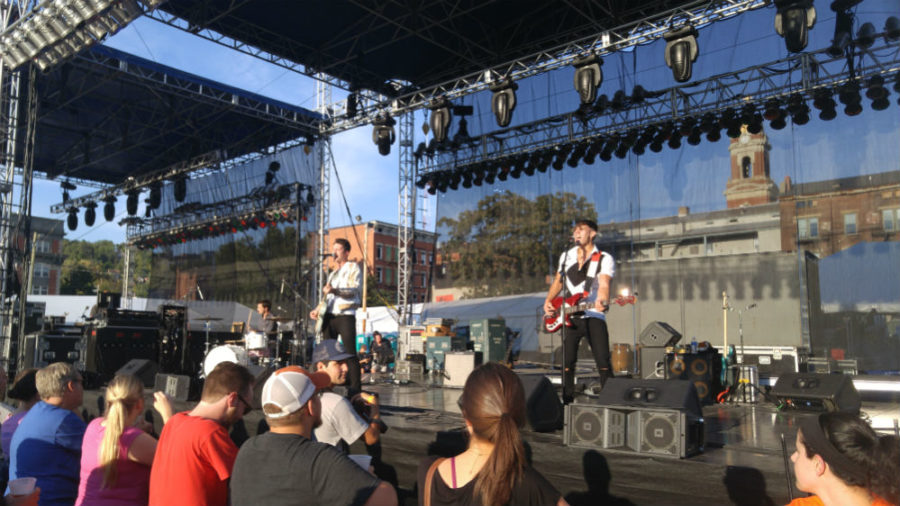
{"x": 823, "y": 101}
{"x": 179, "y": 190}
{"x": 865, "y": 36}
{"x": 462, "y": 133}
{"x": 90, "y": 213}
{"x": 710, "y": 124}
{"x": 694, "y": 137}
{"x": 732, "y": 123}
{"x": 877, "y": 93}
{"x": 843, "y": 26}
{"x": 310, "y": 197}
{"x": 109, "y": 208}
{"x": 577, "y": 154}
{"x": 681, "y": 52}
{"x": 674, "y": 141}
{"x": 503, "y": 101}
{"x": 72, "y": 219}
{"x": 798, "y": 109}
{"x": 850, "y": 97}
{"x": 793, "y": 20}
{"x": 155, "y": 199}
{"x": 588, "y": 78}
{"x": 352, "y": 105}
{"x": 602, "y": 104}
{"x": 439, "y": 120}
{"x": 618, "y": 100}
{"x": 131, "y": 203}
{"x": 891, "y": 29}
{"x": 638, "y": 94}
{"x": 383, "y": 133}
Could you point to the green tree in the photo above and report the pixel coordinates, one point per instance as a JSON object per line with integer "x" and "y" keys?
{"x": 509, "y": 244}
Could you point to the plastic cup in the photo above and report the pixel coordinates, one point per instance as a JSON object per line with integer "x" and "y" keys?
{"x": 22, "y": 486}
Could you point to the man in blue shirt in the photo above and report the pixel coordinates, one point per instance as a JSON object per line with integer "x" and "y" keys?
{"x": 47, "y": 444}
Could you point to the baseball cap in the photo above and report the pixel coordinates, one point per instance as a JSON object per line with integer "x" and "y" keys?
{"x": 330, "y": 349}
{"x": 289, "y": 388}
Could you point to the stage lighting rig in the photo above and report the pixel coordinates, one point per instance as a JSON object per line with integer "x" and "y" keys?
{"x": 824, "y": 102}
{"x": 439, "y": 120}
{"x": 798, "y": 109}
{"x": 850, "y": 97}
{"x": 732, "y": 123}
{"x": 843, "y": 27}
{"x": 877, "y": 93}
{"x": 681, "y": 52}
{"x": 131, "y": 203}
{"x": 90, "y": 213}
{"x": 109, "y": 207}
{"x": 462, "y": 133}
{"x": 793, "y": 20}
{"x": 891, "y": 29}
{"x": 72, "y": 219}
{"x": 503, "y": 101}
{"x": 383, "y": 133}
{"x": 588, "y": 78}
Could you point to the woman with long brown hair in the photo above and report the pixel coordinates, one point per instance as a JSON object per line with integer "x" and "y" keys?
{"x": 841, "y": 460}
{"x": 493, "y": 470}
{"x": 116, "y": 453}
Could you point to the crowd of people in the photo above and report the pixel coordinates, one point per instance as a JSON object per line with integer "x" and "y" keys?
{"x": 115, "y": 459}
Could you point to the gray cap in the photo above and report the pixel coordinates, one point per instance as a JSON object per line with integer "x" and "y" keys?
{"x": 330, "y": 350}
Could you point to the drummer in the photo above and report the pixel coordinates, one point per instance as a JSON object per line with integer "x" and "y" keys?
{"x": 269, "y": 325}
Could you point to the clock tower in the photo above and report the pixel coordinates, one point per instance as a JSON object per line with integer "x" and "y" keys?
{"x": 750, "y": 183}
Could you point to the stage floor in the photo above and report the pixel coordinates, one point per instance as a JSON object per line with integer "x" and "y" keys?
{"x": 742, "y": 462}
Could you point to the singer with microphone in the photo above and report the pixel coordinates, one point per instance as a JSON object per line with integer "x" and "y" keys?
{"x": 586, "y": 273}
{"x": 338, "y": 308}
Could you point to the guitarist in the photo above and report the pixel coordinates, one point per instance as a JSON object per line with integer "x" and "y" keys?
{"x": 341, "y": 300}
{"x": 586, "y": 271}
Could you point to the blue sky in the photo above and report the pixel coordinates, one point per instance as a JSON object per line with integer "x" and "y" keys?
{"x": 647, "y": 186}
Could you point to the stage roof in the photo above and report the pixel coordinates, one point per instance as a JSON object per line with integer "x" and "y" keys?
{"x": 107, "y": 115}
{"x": 426, "y": 42}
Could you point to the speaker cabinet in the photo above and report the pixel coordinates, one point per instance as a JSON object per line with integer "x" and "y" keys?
{"x": 659, "y": 334}
{"x": 142, "y": 368}
{"x": 638, "y": 393}
{"x": 664, "y": 432}
{"x": 703, "y": 369}
{"x": 653, "y": 361}
{"x": 818, "y": 392}
{"x": 175, "y": 386}
{"x": 543, "y": 408}
{"x": 458, "y": 365}
{"x": 590, "y": 426}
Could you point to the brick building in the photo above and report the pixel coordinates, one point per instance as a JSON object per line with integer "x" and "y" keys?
{"x": 47, "y": 236}
{"x": 381, "y": 240}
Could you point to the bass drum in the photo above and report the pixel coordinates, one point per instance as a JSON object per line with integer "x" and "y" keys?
{"x": 224, "y": 353}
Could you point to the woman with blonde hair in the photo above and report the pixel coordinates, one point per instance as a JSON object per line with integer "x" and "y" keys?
{"x": 841, "y": 460}
{"x": 117, "y": 452}
{"x": 493, "y": 470}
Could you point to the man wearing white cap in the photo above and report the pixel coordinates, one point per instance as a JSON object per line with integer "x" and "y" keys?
{"x": 284, "y": 465}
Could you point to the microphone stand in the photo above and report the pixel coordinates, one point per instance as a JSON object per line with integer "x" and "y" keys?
{"x": 303, "y": 314}
{"x": 562, "y": 308}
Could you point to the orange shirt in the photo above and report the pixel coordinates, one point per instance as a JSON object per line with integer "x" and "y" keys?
{"x": 814, "y": 500}
{"x": 193, "y": 463}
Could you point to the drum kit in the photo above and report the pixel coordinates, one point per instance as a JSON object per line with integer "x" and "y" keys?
{"x": 252, "y": 351}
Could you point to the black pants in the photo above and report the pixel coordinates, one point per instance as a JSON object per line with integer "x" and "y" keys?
{"x": 345, "y": 327}
{"x": 598, "y": 337}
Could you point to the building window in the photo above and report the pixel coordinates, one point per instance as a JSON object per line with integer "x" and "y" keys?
{"x": 850, "y": 223}
{"x": 890, "y": 219}
{"x": 430, "y": 258}
{"x": 41, "y": 270}
{"x": 808, "y": 228}
{"x": 42, "y": 246}
{"x": 423, "y": 257}
{"x": 709, "y": 248}
{"x": 390, "y": 277}
{"x": 39, "y": 290}
{"x": 379, "y": 274}
{"x": 378, "y": 252}
{"x": 746, "y": 167}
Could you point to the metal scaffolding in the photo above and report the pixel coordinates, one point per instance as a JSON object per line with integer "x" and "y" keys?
{"x": 326, "y": 162}
{"x": 407, "y": 216}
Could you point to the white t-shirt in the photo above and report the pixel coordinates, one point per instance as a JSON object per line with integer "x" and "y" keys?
{"x": 349, "y": 278}
{"x": 339, "y": 421}
{"x": 575, "y": 278}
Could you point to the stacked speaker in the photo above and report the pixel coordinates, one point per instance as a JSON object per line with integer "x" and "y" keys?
{"x": 652, "y": 350}
{"x": 661, "y": 418}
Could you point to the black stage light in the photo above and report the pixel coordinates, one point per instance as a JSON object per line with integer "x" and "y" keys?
{"x": 466, "y": 180}
{"x": 848, "y": 95}
{"x": 602, "y": 105}
{"x": 772, "y": 110}
{"x": 270, "y": 177}
{"x": 440, "y": 119}
{"x": 793, "y": 20}
{"x": 489, "y": 175}
{"x": 638, "y": 94}
{"x": 72, "y": 219}
{"x": 778, "y": 123}
{"x": 798, "y": 109}
{"x": 109, "y": 207}
{"x": 383, "y": 133}
{"x": 877, "y": 93}
{"x": 477, "y": 176}
{"x": 747, "y": 112}
{"x": 756, "y": 124}
{"x": 352, "y": 105}
{"x": 577, "y": 154}
{"x": 90, "y": 213}
{"x": 732, "y": 123}
{"x": 274, "y": 166}
{"x": 533, "y": 162}
{"x": 694, "y": 137}
{"x": 179, "y": 190}
{"x": 503, "y": 175}
{"x": 155, "y": 199}
{"x": 452, "y": 181}
{"x": 843, "y": 26}
{"x": 588, "y": 78}
{"x": 865, "y": 36}
{"x": 131, "y": 203}
{"x": 824, "y": 102}
{"x": 422, "y": 182}
{"x": 462, "y": 132}
{"x": 681, "y": 52}
{"x": 432, "y": 188}
{"x": 891, "y": 29}
{"x": 148, "y": 211}
{"x": 687, "y": 126}
{"x": 503, "y": 101}
{"x": 674, "y": 141}
{"x": 618, "y": 100}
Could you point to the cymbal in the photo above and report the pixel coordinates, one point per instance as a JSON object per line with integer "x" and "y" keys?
{"x": 280, "y": 319}
{"x": 208, "y": 319}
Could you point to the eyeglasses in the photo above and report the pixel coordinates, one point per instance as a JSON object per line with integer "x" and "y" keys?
{"x": 247, "y": 407}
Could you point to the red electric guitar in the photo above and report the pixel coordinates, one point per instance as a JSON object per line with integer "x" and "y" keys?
{"x": 562, "y": 308}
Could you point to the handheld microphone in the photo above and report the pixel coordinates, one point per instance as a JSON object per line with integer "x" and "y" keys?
{"x": 200, "y": 293}
{"x": 326, "y": 255}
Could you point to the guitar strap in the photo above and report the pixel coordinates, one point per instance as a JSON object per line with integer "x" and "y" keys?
{"x": 593, "y": 268}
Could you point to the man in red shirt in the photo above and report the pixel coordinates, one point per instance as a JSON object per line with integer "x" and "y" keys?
{"x": 194, "y": 455}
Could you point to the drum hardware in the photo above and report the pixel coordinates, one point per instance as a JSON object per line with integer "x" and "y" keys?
{"x": 228, "y": 353}
{"x": 206, "y": 319}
